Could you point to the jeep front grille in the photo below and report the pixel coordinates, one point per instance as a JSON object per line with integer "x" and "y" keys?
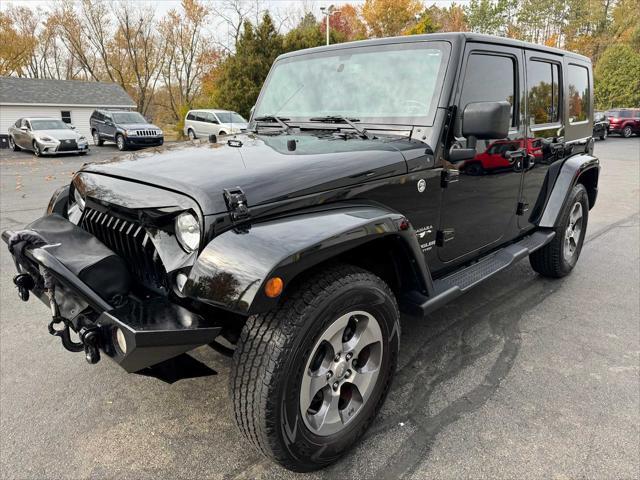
{"x": 147, "y": 133}
{"x": 132, "y": 242}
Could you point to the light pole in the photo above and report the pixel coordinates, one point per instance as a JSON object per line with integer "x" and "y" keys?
{"x": 327, "y": 12}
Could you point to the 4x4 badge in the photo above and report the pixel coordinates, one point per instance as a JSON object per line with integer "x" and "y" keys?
{"x": 422, "y": 185}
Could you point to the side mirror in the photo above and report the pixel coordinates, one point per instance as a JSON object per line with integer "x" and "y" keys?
{"x": 486, "y": 120}
{"x": 72, "y": 127}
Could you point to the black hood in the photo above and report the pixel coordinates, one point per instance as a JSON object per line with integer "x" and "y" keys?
{"x": 267, "y": 168}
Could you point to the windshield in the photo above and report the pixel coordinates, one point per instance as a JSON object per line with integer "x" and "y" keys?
{"x": 129, "y": 117}
{"x": 230, "y": 117}
{"x": 389, "y": 84}
{"x": 48, "y": 125}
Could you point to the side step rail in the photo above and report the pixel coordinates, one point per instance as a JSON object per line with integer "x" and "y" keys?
{"x": 460, "y": 281}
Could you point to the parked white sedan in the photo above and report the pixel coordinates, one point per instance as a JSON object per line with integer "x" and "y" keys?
{"x": 46, "y": 136}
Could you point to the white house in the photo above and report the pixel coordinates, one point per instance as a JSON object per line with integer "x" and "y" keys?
{"x": 72, "y": 101}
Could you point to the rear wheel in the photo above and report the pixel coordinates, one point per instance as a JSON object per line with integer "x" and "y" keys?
{"x": 309, "y": 378}
{"x": 13, "y": 145}
{"x": 558, "y": 257}
{"x": 627, "y": 131}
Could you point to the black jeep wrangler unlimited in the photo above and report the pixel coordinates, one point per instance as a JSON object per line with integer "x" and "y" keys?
{"x": 354, "y": 196}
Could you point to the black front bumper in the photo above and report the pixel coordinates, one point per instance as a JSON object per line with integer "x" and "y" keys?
{"x": 144, "y": 141}
{"x": 138, "y": 333}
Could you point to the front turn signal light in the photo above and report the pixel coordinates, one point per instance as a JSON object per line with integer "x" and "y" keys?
{"x": 273, "y": 287}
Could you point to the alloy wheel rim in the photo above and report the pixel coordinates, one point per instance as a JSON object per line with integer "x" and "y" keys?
{"x": 341, "y": 372}
{"x": 120, "y": 143}
{"x": 573, "y": 231}
{"x": 191, "y": 135}
{"x": 627, "y": 131}
{"x": 36, "y": 149}
{"x": 96, "y": 138}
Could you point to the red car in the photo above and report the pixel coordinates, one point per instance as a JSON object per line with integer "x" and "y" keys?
{"x": 625, "y": 121}
{"x": 494, "y": 156}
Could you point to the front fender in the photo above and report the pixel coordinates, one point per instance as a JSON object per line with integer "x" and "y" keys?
{"x": 574, "y": 167}
{"x": 232, "y": 269}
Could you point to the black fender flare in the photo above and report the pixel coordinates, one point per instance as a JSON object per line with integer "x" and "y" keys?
{"x": 232, "y": 269}
{"x": 572, "y": 169}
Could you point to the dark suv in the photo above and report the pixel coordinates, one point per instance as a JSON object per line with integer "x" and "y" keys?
{"x": 300, "y": 241}
{"x": 624, "y": 121}
{"x": 127, "y": 129}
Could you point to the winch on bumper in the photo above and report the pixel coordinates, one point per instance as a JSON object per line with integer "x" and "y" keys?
{"x": 87, "y": 287}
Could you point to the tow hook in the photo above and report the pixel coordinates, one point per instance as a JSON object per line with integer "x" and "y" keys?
{"x": 90, "y": 337}
{"x": 24, "y": 282}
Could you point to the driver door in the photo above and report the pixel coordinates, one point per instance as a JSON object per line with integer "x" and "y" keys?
{"x": 480, "y": 195}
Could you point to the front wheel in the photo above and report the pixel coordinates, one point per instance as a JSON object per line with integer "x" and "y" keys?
{"x": 558, "y": 257}
{"x": 191, "y": 134}
{"x": 36, "y": 149}
{"x": 603, "y": 135}
{"x": 13, "y": 145}
{"x": 122, "y": 146}
{"x": 309, "y": 377}
{"x": 96, "y": 139}
{"x": 627, "y": 131}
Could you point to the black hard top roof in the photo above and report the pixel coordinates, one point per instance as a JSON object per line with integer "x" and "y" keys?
{"x": 454, "y": 38}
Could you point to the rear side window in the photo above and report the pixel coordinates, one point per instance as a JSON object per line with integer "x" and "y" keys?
{"x": 579, "y": 93}
{"x": 489, "y": 78}
{"x": 191, "y": 116}
{"x": 544, "y": 92}
{"x": 199, "y": 117}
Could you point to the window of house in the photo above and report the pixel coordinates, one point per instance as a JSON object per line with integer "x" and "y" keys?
{"x": 489, "y": 78}
{"x": 544, "y": 92}
{"x": 579, "y": 93}
{"x": 66, "y": 116}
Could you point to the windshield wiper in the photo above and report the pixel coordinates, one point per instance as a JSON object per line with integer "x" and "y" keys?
{"x": 340, "y": 119}
{"x": 273, "y": 118}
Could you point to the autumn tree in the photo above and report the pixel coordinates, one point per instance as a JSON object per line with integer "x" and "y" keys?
{"x": 18, "y": 40}
{"x": 388, "y": 18}
{"x": 189, "y": 55}
{"x": 345, "y": 24}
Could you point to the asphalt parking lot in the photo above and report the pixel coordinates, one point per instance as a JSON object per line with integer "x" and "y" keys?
{"x": 524, "y": 377}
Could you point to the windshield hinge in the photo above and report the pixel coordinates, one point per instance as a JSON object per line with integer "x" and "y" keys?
{"x": 236, "y": 202}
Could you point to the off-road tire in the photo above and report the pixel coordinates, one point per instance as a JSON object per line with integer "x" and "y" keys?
{"x": 96, "y": 139}
{"x": 549, "y": 260}
{"x": 272, "y": 354}
{"x": 14, "y": 146}
{"x": 627, "y": 131}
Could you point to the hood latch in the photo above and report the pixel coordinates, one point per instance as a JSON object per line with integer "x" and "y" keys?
{"x": 236, "y": 202}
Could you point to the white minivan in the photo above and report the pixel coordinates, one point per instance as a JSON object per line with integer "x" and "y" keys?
{"x": 204, "y": 122}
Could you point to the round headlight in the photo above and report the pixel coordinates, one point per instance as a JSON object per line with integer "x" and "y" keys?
{"x": 188, "y": 231}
